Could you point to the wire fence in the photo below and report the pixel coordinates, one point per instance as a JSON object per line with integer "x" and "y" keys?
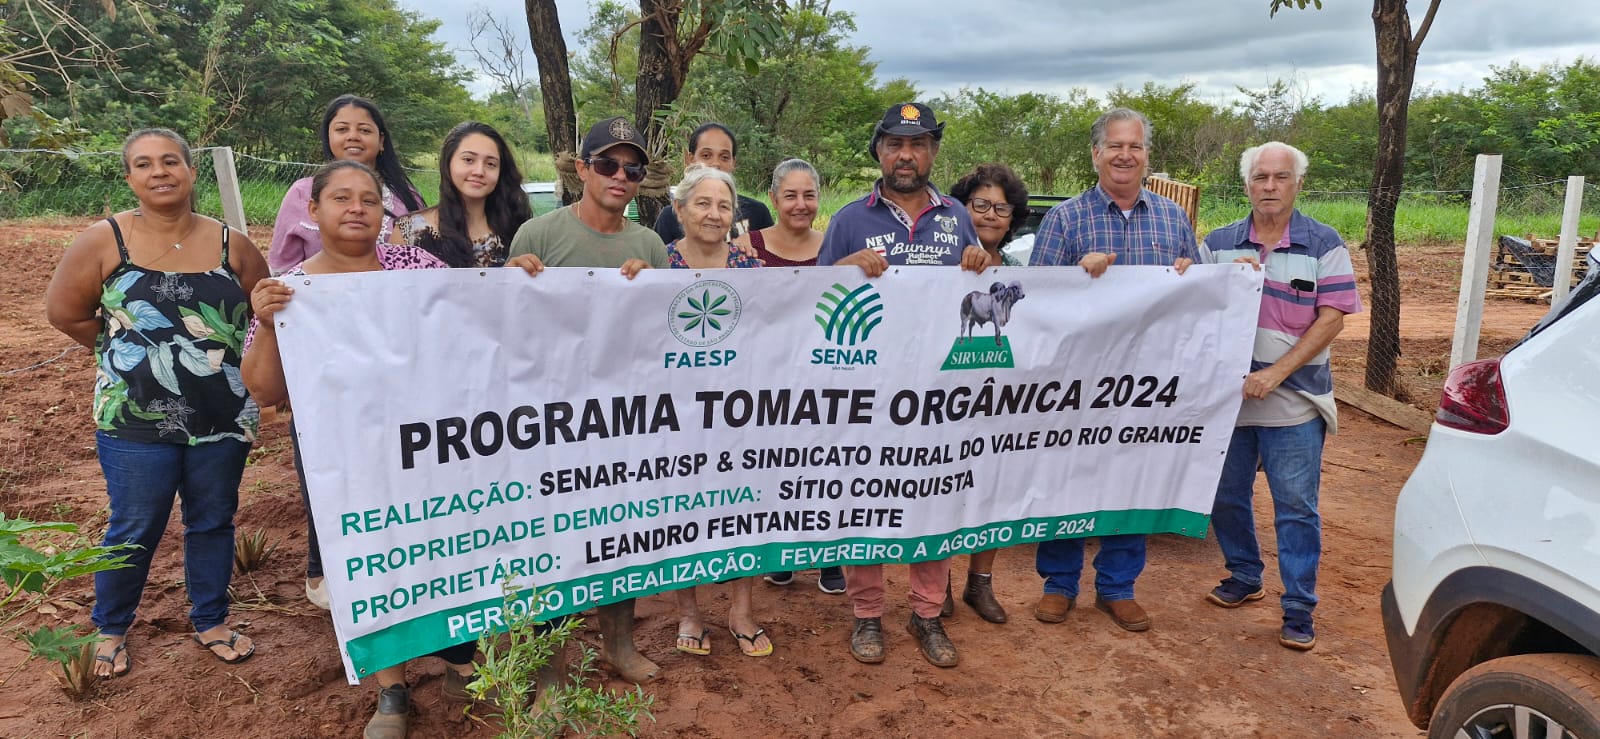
{"x": 43, "y": 182}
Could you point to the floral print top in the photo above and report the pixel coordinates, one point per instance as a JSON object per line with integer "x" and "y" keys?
{"x": 168, "y": 356}
{"x": 736, "y": 258}
{"x": 414, "y": 230}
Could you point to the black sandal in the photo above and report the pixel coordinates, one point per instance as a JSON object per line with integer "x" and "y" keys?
{"x": 233, "y": 637}
{"x": 111, "y": 659}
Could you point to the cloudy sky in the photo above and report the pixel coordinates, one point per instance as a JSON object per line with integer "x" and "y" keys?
{"x": 1054, "y": 45}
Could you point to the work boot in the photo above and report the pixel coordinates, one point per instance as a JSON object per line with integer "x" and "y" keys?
{"x": 1125, "y": 612}
{"x": 866, "y": 640}
{"x": 930, "y": 636}
{"x": 616, "y": 649}
{"x": 980, "y": 595}
{"x": 1053, "y": 608}
{"x": 949, "y": 608}
{"x": 393, "y": 716}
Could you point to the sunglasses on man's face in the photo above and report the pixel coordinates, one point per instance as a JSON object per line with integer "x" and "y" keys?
{"x": 607, "y": 167}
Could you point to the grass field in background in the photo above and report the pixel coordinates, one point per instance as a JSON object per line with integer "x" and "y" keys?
{"x": 1419, "y": 218}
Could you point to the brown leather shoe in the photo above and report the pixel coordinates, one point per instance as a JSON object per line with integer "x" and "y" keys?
{"x": 980, "y": 595}
{"x": 930, "y": 636}
{"x": 866, "y": 641}
{"x": 1053, "y": 608}
{"x": 1126, "y": 613}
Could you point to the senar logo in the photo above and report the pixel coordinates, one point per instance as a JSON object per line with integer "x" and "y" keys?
{"x": 700, "y": 315}
{"x": 847, "y": 318}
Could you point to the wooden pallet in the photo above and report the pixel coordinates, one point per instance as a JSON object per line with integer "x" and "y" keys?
{"x": 1535, "y": 293}
{"x": 1508, "y": 278}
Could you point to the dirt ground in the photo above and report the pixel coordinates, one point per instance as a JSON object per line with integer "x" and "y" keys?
{"x": 1201, "y": 671}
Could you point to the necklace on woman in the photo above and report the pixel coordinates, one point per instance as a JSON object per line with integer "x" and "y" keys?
{"x": 194, "y": 223}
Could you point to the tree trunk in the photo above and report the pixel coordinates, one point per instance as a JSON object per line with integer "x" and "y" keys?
{"x": 555, "y": 83}
{"x": 657, "y": 86}
{"x": 1397, "y": 59}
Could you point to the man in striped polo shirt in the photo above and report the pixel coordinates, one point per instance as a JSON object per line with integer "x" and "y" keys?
{"x": 1288, "y": 407}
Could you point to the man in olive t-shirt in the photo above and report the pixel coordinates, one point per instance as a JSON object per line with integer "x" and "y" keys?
{"x": 594, "y": 232}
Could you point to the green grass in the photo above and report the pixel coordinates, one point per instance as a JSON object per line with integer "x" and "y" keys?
{"x": 1418, "y": 219}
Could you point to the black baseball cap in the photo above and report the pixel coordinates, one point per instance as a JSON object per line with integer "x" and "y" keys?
{"x": 906, "y": 119}
{"x": 613, "y": 132}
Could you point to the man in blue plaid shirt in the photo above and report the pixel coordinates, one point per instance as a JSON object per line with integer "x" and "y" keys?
{"x": 1117, "y": 220}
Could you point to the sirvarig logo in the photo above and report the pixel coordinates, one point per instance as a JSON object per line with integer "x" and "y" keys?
{"x": 847, "y": 316}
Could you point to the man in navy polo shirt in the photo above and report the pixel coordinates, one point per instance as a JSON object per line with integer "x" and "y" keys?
{"x": 903, "y": 221}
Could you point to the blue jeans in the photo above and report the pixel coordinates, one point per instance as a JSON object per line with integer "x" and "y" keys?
{"x": 1116, "y": 565}
{"x": 141, "y": 479}
{"x": 1292, "y": 458}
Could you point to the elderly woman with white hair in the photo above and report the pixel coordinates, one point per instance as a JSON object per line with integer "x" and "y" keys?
{"x": 705, "y": 202}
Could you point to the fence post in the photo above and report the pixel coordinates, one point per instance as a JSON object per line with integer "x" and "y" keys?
{"x": 228, "y": 187}
{"x": 1475, "y": 262}
{"x": 1567, "y": 250}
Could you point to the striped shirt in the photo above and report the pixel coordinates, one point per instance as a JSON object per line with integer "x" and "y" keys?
{"x": 1156, "y": 232}
{"x": 1309, "y": 268}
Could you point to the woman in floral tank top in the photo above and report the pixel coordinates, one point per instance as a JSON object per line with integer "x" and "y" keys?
{"x": 160, "y": 294}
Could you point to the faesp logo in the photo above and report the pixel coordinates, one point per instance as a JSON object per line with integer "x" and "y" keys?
{"x": 701, "y": 315}
{"x": 847, "y": 318}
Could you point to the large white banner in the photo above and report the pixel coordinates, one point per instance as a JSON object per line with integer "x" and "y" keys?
{"x": 611, "y": 439}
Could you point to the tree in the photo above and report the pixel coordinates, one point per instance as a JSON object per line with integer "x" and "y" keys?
{"x": 671, "y": 34}
{"x": 42, "y": 37}
{"x": 1043, "y": 137}
{"x": 1397, "y": 68}
{"x": 500, "y": 55}
{"x": 258, "y": 74}
{"x": 555, "y": 86}
{"x": 814, "y": 97}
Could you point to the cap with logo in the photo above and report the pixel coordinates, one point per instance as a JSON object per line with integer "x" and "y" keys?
{"x": 610, "y": 133}
{"x": 905, "y": 119}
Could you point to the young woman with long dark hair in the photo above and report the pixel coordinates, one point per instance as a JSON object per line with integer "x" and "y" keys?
{"x": 481, "y": 203}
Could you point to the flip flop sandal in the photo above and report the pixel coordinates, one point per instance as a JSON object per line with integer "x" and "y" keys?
{"x": 752, "y": 651}
{"x": 111, "y": 659}
{"x": 233, "y": 637}
{"x": 701, "y": 648}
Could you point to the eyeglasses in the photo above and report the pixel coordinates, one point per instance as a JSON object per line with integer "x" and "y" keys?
{"x": 979, "y": 205}
{"x": 606, "y": 167}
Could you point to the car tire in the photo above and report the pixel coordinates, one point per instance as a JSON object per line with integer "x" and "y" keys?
{"x": 1494, "y": 699}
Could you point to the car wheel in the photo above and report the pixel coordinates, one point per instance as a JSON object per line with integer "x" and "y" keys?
{"x": 1522, "y": 697}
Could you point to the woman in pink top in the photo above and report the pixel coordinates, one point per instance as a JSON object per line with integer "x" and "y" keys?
{"x": 352, "y": 129}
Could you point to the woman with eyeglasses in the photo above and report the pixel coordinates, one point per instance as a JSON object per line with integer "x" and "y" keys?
{"x": 998, "y": 202}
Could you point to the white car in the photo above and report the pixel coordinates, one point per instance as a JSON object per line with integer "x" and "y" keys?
{"x": 542, "y": 198}
{"x": 1493, "y": 613}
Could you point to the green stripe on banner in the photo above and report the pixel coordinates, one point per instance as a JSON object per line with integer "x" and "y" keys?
{"x": 434, "y": 631}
